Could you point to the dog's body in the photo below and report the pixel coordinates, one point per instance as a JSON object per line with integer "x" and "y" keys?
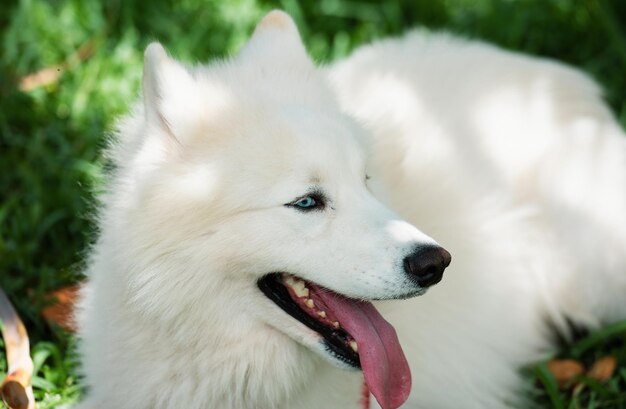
{"x": 514, "y": 164}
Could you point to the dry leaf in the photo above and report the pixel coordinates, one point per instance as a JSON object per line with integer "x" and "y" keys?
{"x": 41, "y": 78}
{"x": 50, "y": 75}
{"x": 603, "y": 368}
{"x": 61, "y": 312}
{"x": 565, "y": 370}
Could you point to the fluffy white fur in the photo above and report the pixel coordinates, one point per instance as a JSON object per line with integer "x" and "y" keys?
{"x": 512, "y": 163}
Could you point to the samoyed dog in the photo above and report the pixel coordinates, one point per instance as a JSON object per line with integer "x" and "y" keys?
{"x": 269, "y": 225}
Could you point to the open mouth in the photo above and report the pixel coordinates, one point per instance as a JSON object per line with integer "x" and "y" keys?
{"x": 301, "y": 300}
{"x": 353, "y": 331}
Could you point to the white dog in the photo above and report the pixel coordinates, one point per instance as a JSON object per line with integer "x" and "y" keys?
{"x": 259, "y": 203}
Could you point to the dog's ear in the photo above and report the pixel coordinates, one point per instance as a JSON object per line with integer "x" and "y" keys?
{"x": 276, "y": 42}
{"x": 164, "y": 79}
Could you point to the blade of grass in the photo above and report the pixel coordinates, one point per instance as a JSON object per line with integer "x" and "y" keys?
{"x": 549, "y": 383}
{"x": 597, "y": 337}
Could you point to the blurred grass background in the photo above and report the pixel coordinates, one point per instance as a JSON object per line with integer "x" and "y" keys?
{"x": 68, "y": 68}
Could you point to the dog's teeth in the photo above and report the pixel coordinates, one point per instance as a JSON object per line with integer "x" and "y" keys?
{"x": 354, "y": 346}
{"x": 299, "y": 289}
{"x": 322, "y": 314}
{"x": 335, "y": 324}
{"x": 298, "y": 286}
{"x": 309, "y": 303}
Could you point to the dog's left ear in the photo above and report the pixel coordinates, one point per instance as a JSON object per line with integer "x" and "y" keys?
{"x": 168, "y": 87}
{"x": 276, "y": 42}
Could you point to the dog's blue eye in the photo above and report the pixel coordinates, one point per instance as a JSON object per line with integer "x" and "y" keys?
{"x": 306, "y": 202}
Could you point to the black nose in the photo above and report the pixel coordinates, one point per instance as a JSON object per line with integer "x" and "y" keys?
{"x": 425, "y": 266}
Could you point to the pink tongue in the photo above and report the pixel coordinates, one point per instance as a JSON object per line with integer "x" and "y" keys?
{"x": 384, "y": 366}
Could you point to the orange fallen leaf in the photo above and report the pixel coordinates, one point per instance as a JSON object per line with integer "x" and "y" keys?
{"x": 40, "y": 78}
{"x": 565, "y": 370}
{"x": 61, "y": 311}
{"x": 50, "y": 75}
{"x": 603, "y": 368}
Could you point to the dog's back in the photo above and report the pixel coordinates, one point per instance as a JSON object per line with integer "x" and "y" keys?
{"x": 517, "y": 165}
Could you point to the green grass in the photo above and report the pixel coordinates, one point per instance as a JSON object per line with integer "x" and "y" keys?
{"x": 51, "y": 137}
{"x": 590, "y": 393}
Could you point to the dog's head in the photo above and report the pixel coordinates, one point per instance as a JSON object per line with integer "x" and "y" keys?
{"x": 244, "y": 179}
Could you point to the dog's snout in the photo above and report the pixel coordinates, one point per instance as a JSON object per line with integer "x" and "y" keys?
{"x": 426, "y": 265}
